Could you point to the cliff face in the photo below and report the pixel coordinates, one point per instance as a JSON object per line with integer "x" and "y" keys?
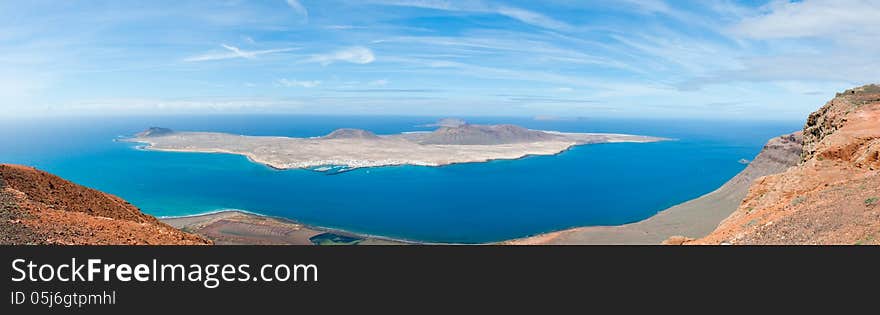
{"x": 832, "y": 196}
{"x": 39, "y": 208}
{"x": 694, "y": 218}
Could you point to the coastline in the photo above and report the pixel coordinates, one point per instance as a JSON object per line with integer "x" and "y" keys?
{"x": 202, "y": 223}
{"x": 282, "y": 153}
{"x": 690, "y": 219}
{"x": 252, "y": 158}
{"x": 148, "y": 146}
{"x": 597, "y": 235}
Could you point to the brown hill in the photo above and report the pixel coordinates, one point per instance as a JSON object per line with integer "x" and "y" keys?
{"x": 154, "y": 132}
{"x": 349, "y": 133}
{"x": 447, "y": 122}
{"x": 468, "y": 134}
{"x": 40, "y": 208}
{"x": 832, "y": 196}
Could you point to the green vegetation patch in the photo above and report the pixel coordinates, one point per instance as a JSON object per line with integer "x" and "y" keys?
{"x": 798, "y": 200}
{"x": 867, "y": 240}
{"x": 873, "y": 88}
{"x": 872, "y": 201}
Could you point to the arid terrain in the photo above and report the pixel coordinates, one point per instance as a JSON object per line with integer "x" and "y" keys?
{"x": 694, "y": 218}
{"x": 241, "y": 228}
{"x": 354, "y": 148}
{"x": 39, "y": 208}
{"x": 817, "y": 186}
{"x": 832, "y": 196}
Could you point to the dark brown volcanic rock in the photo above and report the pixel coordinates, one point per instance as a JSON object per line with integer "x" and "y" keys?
{"x": 349, "y": 133}
{"x": 154, "y": 132}
{"x": 40, "y": 208}
{"x": 469, "y": 134}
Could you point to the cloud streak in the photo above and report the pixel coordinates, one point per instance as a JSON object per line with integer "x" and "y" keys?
{"x": 235, "y": 52}
{"x": 833, "y": 42}
{"x": 532, "y": 18}
{"x": 357, "y": 55}
{"x": 299, "y": 9}
{"x": 296, "y": 83}
{"x": 814, "y": 18}
{"x": 642, "y": 57}
{"x": 522, "y": 15}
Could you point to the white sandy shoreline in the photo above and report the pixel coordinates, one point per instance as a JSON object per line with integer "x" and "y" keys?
{"x": 358, "y": 149}
{"x": 308, "y": 153}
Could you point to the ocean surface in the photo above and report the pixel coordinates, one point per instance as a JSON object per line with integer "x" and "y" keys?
{"x": 603, "y": 184}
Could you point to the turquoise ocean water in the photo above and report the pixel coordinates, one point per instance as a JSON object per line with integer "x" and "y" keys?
{"x": 604, "y": 184}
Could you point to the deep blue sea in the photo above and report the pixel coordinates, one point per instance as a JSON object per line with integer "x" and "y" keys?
{"x": 603, "y": 184}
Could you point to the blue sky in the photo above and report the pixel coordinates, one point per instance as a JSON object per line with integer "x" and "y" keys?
{"x": 565, "y": 58}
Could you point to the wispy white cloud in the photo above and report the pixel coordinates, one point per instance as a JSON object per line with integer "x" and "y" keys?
{"x": 342, "y": 27}
{"x": 601, "y": 87}
{"x": 356, "y": 54}
{"x": 297, "y": 83}
{"x": 532, "y": 18}
{"x": 435, "y": 4}
{"x": 641, "y": 57}
{"x": 679, "y": 55}
{"x": 832, "y": 42}
{"x": 648, "y": 6}
{"x": 179, "y": 105}
{"x": 814, "y": 18}
{"x": 532, "y": 48}
{"x": 299, "y": 9}
{"x": 235, "y": 52}
{"x": 718, "y": 10}
{"x": 522, "y": 15}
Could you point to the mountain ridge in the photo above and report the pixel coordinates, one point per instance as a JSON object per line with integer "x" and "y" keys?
{"x": 470, "y": 134}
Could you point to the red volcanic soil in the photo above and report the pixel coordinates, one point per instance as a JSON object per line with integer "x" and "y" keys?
{"x": 832, "y": 196}
{"x": 40, "y": 208}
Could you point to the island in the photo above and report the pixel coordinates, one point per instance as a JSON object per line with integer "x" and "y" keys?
{"x": 347, "y": 149}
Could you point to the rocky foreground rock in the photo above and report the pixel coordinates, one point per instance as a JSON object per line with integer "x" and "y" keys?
{"x": 694, "y": 218}
{"x": 832, "y": 196}
{"x": 40, "y": 208}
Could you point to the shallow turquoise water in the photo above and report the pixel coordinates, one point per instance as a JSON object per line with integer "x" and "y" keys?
{"x": 602, "y": 184}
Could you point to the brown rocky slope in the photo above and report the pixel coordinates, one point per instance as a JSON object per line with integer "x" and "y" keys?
{"x": 40, "y": 208}
{"x": 683, "y": 222}
{"x": 832, "y": 196}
